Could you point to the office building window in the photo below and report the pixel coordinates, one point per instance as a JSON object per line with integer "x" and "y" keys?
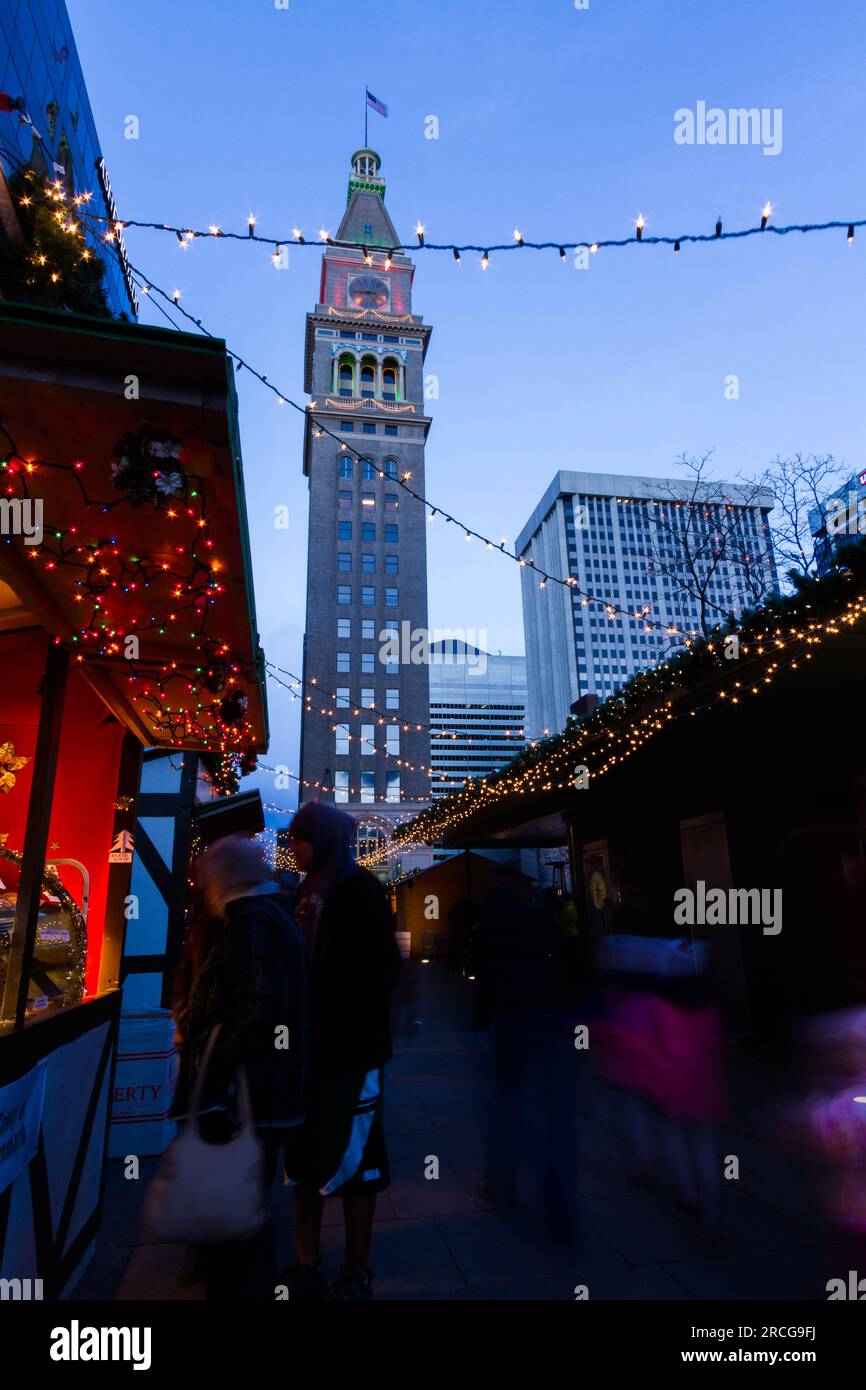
{"x": 346, "y": 466}
{"x": 345, "y": 500}
{"x": 344, "y": 594}
{"x": 368, "y": 629}
{"x": 392, "y": 598}
{"x": 392, "y": 698}
{"x": 344, "y": 561}
{"x": 392, "y": 740}
{"x": 391, "y": 565}
{"x": 344, "y": 661}
{"x": 341, "y": 786}
{"x": 368, "y": 596}
{"x": 368, "y": 663}
{"x": 367, "y": 499}
{"x": 368, "y": 787}
{"x": 391, "y": 532}
{"x": 391, "y": 469}
{"x": 368, "y": 471}
{"x": 392, "y": 786}
{"x": 368, "y": 740}
{"x": 347, "y": 426}
{"x": 368, "y": 564}
{"x": 368, "y": 530}
{"x": 344, "y": 530}
{"x": 392, "y": 501}
{"x": 391, "y": 429}
{"x": 368, "y": 698}
{"x": 342, "y": 697}
{"x": 368, "y": 429}
{"x": 344, "y": 627}
{"x": 341, "y": 741}
{"x": 392, "y": 668}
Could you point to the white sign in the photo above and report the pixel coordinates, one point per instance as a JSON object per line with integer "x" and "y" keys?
{"x": 20, "y": 1118}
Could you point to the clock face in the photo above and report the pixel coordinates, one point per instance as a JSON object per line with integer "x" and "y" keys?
{"x": 368, "y": 292}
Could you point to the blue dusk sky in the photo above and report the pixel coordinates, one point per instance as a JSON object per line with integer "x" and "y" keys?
{"x": 553, "y": 119}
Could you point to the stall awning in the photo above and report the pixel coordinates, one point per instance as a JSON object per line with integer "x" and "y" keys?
{"x": 798, "y": 651}
{"x": 124, "y": 525}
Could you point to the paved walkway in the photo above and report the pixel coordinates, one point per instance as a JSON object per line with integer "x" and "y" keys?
{"x": 436, "y": 1238}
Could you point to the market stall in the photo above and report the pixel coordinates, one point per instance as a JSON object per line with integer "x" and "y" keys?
{"x": 126, "y": 622}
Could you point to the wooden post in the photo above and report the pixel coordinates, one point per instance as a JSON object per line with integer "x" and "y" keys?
{"x": 120, "y": 870}
{"x": 53, "y": 690}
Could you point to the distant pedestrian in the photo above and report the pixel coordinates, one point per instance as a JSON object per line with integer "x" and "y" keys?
{"x": 354, "y": 960}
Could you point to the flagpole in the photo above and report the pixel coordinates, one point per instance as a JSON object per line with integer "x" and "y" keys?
{"x": 366, "y": 116}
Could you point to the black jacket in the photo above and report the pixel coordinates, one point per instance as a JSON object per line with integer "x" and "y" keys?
{"x": 354, "y": 966}
{"x": 252, "y": 982}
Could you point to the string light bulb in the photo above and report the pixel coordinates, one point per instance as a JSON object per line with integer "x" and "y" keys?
{"x": 419, "y": 231}
{"x": 518, "y": 237}
{"x": 639, "y": 226}
{"x": 485, "y": 260}
{"x": 765, "y": 214}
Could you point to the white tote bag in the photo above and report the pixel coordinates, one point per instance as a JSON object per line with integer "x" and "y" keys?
{"x": 204, "y": 1193}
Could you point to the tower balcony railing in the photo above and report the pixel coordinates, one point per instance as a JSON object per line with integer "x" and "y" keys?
{"x": 369, "y": 403}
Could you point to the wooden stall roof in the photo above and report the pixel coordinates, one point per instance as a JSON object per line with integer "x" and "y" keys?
{"x": 168, "y": 564}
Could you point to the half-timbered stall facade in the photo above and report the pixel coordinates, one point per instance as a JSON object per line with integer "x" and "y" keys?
{"x": 126, "y": 623}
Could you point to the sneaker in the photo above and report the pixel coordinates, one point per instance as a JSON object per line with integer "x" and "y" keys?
{"x": 350, "y": 1286}
{"x": 305, "y": 1281}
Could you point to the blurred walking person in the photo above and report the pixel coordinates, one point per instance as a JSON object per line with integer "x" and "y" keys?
{"x": 527, "y": 1019}
{"x": 244, "y": 972}
{"x": 353, "y": 964}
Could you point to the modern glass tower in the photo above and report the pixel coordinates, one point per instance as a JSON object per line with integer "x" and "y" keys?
{"x": 48, "y": 125}
{"x": 367, "y": 563}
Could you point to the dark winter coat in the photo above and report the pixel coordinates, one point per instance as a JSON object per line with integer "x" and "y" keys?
{"x": 252, "y": 982}
{"x": 354, "y": 966}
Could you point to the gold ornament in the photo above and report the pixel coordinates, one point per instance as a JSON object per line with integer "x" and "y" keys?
{"x": 9, "y": 765}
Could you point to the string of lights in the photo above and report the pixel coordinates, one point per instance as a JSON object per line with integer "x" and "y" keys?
{"x": 616, "y": 737}
{"x": 368, "y": 748}
{"x": 186, "y": 236}
{"x": 128, "y": 596}
{"x": 613, "y": 610}
{"x": 447, "y": 734}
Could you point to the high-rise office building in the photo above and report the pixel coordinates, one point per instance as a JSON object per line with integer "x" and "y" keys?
{"x": 46, "y": 124}
{"x": 841, "y": 518}
{"x": 367, "y": 565}
{"x": 477, "y": 712}
{"x": 621, "y": 539}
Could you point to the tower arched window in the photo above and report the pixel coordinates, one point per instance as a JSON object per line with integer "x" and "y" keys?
{"x": 390, "y": 381}
{"x": 391, "y": 468}
{"x": 346, "y": 376}
{"x": 368, "y": 378}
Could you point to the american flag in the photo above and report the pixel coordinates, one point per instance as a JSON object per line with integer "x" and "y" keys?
{"x": 376, "y": 104}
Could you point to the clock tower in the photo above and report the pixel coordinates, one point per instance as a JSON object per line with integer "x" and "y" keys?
{"x": 367, "y": 559}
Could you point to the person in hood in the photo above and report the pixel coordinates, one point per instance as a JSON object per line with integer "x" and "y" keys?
{"x": 340, "y": 1150}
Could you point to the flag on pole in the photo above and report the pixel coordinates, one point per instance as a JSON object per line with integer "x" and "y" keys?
{"x": 376, "y": 104}
{"x": 9, "y": 103}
